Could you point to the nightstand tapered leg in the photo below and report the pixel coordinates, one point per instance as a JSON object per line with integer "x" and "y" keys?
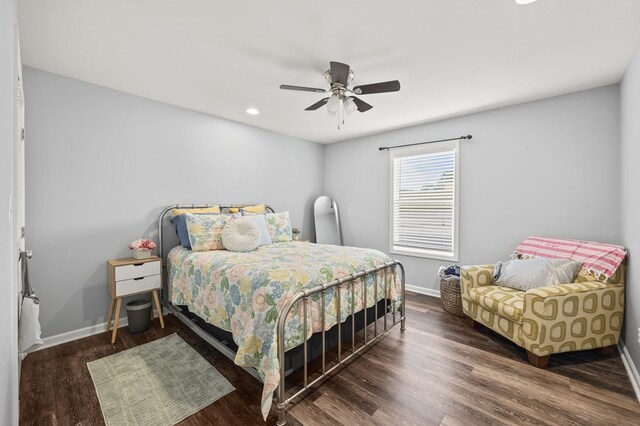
{"x": 110, "y": 315}
{"x": 151, "y": 299}
{"x": 158, "y": 307}
{"x": 115, "y": 322}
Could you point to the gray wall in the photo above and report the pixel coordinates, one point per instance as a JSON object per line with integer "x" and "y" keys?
{"x": 542, "y": 168}
{"x": 102, "y": 165}
{"x": 8, "y": 348}
{"x": 630, "y": 197}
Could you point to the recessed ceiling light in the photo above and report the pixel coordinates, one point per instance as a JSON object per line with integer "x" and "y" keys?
{"x": 524, "y": 1}
{"x": 252, "y": 111}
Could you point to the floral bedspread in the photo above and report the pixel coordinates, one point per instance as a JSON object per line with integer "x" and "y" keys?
{"x": 243, "y": 293}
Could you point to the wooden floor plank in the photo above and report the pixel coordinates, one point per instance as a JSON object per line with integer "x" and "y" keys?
{"x": 438, "y": 372}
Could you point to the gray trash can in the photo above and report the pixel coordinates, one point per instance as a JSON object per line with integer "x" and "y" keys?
{"x": 138, "y": 314}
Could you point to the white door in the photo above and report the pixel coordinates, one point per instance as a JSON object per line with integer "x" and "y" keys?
{"x": 19, "y": 170}
{"x": 17, "y": 205}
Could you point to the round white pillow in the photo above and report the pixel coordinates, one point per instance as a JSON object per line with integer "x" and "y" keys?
{"x": 241, "y": 234}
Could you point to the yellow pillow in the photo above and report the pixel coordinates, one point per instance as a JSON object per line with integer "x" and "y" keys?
{"x": 178, "y": 212}
{"x": 258, "y": 208}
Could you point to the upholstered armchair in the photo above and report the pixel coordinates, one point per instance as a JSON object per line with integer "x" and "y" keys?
{"x": 585, "y": 314}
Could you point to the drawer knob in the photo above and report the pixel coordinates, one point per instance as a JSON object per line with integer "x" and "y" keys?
{"x": 138, "y": 264}
{"x": 139, "y": 278}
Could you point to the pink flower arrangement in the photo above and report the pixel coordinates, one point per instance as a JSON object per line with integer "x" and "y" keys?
{"x": 142, "y": 245}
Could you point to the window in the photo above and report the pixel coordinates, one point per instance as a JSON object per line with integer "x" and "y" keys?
{"x": 424, "y": 201}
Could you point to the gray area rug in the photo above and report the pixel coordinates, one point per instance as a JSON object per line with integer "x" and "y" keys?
{"x": 158, "y": 383}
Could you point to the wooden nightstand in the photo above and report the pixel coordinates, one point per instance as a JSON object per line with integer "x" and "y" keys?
{"x": 130, "y": 276}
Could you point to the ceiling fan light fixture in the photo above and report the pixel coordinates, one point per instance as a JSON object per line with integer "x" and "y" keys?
{"x": 333, "y": 104}
{"x": 350, "y": 106}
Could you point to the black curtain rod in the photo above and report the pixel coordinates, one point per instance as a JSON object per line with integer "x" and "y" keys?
{"x": 387, "y": 148}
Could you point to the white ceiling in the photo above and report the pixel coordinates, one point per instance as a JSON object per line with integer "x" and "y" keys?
{"x": 220, "y": 57}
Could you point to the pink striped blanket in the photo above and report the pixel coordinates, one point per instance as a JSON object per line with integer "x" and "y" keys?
{"x": 595, "y": 257}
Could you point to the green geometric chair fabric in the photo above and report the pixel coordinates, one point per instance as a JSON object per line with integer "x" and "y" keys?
{"x": 503, "y": 301}
{"x": 586, "y": 314}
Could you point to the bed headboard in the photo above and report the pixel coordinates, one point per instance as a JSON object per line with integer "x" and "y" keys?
{"x": 162, "y": 238}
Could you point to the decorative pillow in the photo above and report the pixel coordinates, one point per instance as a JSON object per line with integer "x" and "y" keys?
{"x": 205, "y": 230}
{"x": 258, "y": 208}
{"x": 241, "y": 235}
{"x": 279, "y": 227}
{"x": 527, "y": 274}
{"x": 259, "y": 220}
{"x": 179, "y": 223}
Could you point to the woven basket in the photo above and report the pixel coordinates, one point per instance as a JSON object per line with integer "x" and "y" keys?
{"x": 450, "y": 295}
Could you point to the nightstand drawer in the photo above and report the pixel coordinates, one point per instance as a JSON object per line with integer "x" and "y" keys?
{"x": 137, "y": 285}
{"x": 127, "y": 272}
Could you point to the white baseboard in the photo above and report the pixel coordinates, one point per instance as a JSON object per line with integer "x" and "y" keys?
{"x": 80, "y": 333}
{"x": 421, "y": 290}
{"x": 632, "y": 371}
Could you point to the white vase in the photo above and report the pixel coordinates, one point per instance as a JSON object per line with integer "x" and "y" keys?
{"x": 141, "y": 254}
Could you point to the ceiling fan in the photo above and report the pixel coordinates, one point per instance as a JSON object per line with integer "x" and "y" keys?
{"x": 342, "y": 98}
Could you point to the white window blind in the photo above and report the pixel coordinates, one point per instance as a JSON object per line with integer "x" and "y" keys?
{"x": 424, "y": 194}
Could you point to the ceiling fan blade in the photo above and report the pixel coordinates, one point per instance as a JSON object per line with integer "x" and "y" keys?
{"x": 339, "y": 73}
{"x": 301, "y": 88}
{"x": 317, "y": 105}
{"x": 362, "y": 105}
{"x": 387, "y": 86}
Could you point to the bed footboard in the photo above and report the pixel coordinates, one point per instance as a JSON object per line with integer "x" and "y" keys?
{"x": 390, "y": 267}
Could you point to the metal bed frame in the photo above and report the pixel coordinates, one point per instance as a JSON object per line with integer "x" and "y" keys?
{"x": 281, "y": 400}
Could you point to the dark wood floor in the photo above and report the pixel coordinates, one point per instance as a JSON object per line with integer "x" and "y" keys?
{"x": 438, "y": 372}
